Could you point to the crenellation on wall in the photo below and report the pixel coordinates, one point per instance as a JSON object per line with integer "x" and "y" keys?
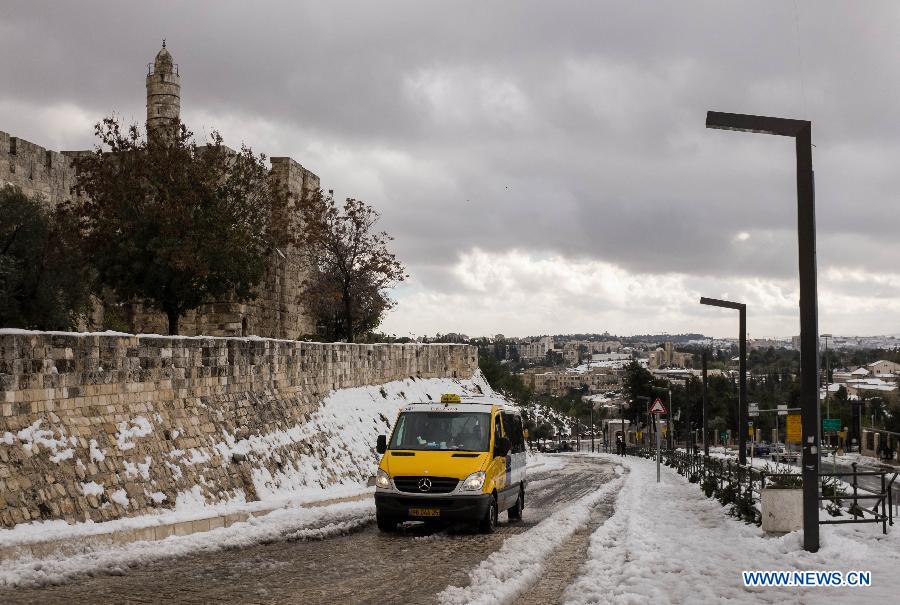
{"x": 77, "y": 409}
{"x": 35, "y": 169}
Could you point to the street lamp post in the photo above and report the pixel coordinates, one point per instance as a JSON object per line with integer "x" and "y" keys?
{"x": 742, "y": 369}
{"x": 705, "y": 404}
{"x": 827, "y": 372}
{"x": 801, "y": 131}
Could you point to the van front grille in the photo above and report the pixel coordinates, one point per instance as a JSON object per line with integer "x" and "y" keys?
{"x": 426, "y": 485}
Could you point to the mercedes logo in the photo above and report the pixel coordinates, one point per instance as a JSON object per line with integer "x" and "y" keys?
{"x": 424, "y": 484}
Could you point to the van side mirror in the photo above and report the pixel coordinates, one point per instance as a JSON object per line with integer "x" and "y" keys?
{"x": 381, "y": 444}
{"x": 501, "y": 446}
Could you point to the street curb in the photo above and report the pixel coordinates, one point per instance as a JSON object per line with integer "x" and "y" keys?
{"x": 79, "y": 544}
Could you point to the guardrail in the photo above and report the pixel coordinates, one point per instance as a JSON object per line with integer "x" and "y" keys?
{"x": 741, "y": 486}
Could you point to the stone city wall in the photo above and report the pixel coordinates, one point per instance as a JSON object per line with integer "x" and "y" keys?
{"x": 277, "y": 311}
{"x": 36, "y": 170}
{"x": 99, "y": 427}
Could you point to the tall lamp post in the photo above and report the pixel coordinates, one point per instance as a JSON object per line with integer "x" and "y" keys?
{"x": 827, "y": 372}
{"x": 742, "y": 369}
{"x": 801, "y": 131}
{"x": 705, "y": 404}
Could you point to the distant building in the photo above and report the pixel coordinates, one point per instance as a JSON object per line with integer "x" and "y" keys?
{"x": 558, "y": 382}
{"x": 883, "y": 368}
{"x": 536, "y": 349}
{"x": 667, "y": 357}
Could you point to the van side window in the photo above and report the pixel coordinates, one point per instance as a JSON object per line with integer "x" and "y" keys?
{"x": 497, "y": 431}
{"x": 520, "y": 435}
{"x": 514, "y": 430}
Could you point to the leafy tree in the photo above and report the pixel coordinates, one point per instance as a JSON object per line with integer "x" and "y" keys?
{"x": 841, "y": 394}
{"x": 44, "y": 282}
{"x": 350, "y": 267}
{"x": 502, "y": 380}
{"x": 174, "y": 224}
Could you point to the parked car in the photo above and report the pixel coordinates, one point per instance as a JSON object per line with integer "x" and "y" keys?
{"x": 548, "y": 447}
{"x": 761, "y": 449}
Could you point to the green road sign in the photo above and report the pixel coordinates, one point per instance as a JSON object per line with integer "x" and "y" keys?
{"x": 831, "y": 425}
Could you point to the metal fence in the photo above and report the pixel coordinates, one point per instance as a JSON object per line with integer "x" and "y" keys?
{"x": 740, "y": 486}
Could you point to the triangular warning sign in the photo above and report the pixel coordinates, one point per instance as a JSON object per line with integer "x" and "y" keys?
{"x": 658, "y": 407}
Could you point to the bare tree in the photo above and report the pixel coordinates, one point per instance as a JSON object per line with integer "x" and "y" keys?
{"x": 350, "y": 267}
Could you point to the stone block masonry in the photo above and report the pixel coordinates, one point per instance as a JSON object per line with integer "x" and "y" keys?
{"x": 99, "y": 426}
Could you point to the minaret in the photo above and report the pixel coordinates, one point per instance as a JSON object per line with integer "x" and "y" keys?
{"x": 163, "y": 94}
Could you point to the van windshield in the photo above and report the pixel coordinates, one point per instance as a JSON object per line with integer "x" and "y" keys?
{"x": 466, "y": 431}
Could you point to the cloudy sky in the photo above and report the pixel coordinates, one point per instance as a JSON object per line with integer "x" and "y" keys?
{"x": 543, "y": 166}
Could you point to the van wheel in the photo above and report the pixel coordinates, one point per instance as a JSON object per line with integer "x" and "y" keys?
{"x": 385, "y": 524}
{"x": 489, "y": 523}
{"x": 515, "y": 513}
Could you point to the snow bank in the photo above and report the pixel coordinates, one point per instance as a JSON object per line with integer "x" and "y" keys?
{"x": 668, "y": 543}
{"x": 288, "y": 524}
{"x": 520, "y": 561}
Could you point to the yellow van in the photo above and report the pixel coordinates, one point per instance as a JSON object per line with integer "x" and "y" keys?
{"x": 462, "y": 459}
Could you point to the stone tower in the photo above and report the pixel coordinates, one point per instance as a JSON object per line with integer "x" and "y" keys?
{"x": 163, "y": 94}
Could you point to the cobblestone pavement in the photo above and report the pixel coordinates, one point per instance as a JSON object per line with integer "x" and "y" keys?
{"x": 364, "y": 567}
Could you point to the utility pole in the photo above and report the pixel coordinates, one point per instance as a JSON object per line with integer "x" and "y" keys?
{"x": 827, "y": 372}
{"x": 705, "y": 409}
{"x": 669, "y": 423}
{"x": 592, "y": 427}
{"x": 801, "y": 131}
{"x": 741, "y": 308}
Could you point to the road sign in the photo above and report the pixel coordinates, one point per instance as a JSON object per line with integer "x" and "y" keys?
{"x": 657, "y": 407}
{"x": 794, "y": 432}
{"x": 782, "y": 409}
{"x": 831, "y": 425}
{"x": 753, "y": 409}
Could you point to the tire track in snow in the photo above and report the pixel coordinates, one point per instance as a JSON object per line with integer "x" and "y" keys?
{"x": 520, "y": 562}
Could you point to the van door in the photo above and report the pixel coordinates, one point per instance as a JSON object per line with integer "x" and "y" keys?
{"x": 515, "y": 460}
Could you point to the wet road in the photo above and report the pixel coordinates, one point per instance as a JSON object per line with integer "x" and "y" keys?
{"x": 362, "y": 567}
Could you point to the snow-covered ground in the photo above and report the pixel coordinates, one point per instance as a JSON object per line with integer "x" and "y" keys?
{"x": 520, "y": 561}
{"x": 668, "y": 543}
{"x": 663, "y": 543}
{"x": 284, "y": 524}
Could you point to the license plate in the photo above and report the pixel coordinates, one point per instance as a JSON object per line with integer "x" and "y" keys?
{"x": 424, "y": 512}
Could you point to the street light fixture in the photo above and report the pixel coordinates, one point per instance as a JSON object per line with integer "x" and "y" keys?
{"x": 801, "y": 131}
{"x": 742, "y": 369}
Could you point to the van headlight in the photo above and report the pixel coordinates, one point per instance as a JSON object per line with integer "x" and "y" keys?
{"x": 474, "y": 482}
{"x": 382, "y": 479}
